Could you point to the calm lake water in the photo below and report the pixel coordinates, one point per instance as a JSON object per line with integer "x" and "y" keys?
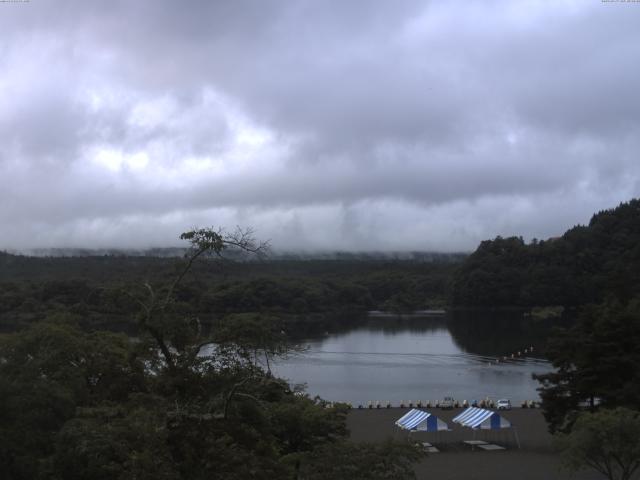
{"x": 420, "y": 359}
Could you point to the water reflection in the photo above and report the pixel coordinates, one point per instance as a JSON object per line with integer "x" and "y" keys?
{"x": 500, "y": 333}
{"x": 426, "y": 358}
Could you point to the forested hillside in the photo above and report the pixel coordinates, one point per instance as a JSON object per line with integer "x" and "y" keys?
{"x": 308, "y": 295}
{"x": 585, "y": 265}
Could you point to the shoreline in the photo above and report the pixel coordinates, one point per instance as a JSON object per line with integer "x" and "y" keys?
{"x": 435, "y": 313}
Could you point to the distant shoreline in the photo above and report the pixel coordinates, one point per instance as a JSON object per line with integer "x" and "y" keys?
{"x": 415, "y": 313}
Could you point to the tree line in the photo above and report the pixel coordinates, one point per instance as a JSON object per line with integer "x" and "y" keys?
{"x": 584, "y": 265}
{"x": 310, "y": 296}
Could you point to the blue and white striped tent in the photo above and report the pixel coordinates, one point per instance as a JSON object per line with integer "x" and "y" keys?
{"x": 418, "y": 420}
{"x": 480, "y": 418}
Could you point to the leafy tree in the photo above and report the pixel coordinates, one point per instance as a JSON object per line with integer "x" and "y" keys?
{"x": 175, "y": 336}
{"x": 226, "y": 418}
{"x": 46, "y": 373}
{"x": 597, "y": 363}
{"x": 302, "y": 423}
{"x": 607, "y": 441}
{"x": 384, "y": 461}
{"x": 119, "y": 441}
{"x": 252, "y": 336}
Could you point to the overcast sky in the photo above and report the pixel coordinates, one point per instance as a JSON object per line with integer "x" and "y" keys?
{"x": 354, "y": 125}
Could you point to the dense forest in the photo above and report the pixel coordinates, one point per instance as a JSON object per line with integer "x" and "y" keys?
{"x": 309, "y": 295}
{"x": 585, "y": 265}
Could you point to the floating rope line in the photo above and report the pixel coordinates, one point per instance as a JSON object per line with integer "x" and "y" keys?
{"x": 514, "y": 356}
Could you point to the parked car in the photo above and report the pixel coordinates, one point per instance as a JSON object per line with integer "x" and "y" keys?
{"x": 503, "y": 404}
{"x": 447, "y": 403}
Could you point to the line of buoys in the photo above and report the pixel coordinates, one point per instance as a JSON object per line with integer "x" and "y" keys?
{"x": 377, "y": 404}
{"x": 513, "y": 356}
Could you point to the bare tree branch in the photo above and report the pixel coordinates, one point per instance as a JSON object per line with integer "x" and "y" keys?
{"x": 203, "y": 241}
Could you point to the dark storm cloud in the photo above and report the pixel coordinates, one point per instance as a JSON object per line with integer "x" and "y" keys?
{"x": 324, "y": 124}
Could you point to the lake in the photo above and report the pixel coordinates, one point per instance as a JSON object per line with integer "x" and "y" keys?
{"x": 421, "y": 358}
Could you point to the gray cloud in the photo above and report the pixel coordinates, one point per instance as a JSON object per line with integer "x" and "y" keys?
{"x": 355, "y": 125}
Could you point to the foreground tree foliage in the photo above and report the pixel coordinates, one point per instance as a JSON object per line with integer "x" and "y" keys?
{"x": 78, "y": 404}
{"x": 46, "y": 375}
{"x": 597, "y": 364}
{"x": 607, "y": 441}
{"x": 385, "y": 461}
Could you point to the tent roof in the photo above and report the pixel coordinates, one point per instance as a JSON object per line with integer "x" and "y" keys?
{"x": 481, "y": 418}
{"x": 422, "y": 421}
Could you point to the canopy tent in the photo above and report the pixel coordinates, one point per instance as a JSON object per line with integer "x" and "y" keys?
{"x": 420, "y": 421}
{"x": 481, "y": 418}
